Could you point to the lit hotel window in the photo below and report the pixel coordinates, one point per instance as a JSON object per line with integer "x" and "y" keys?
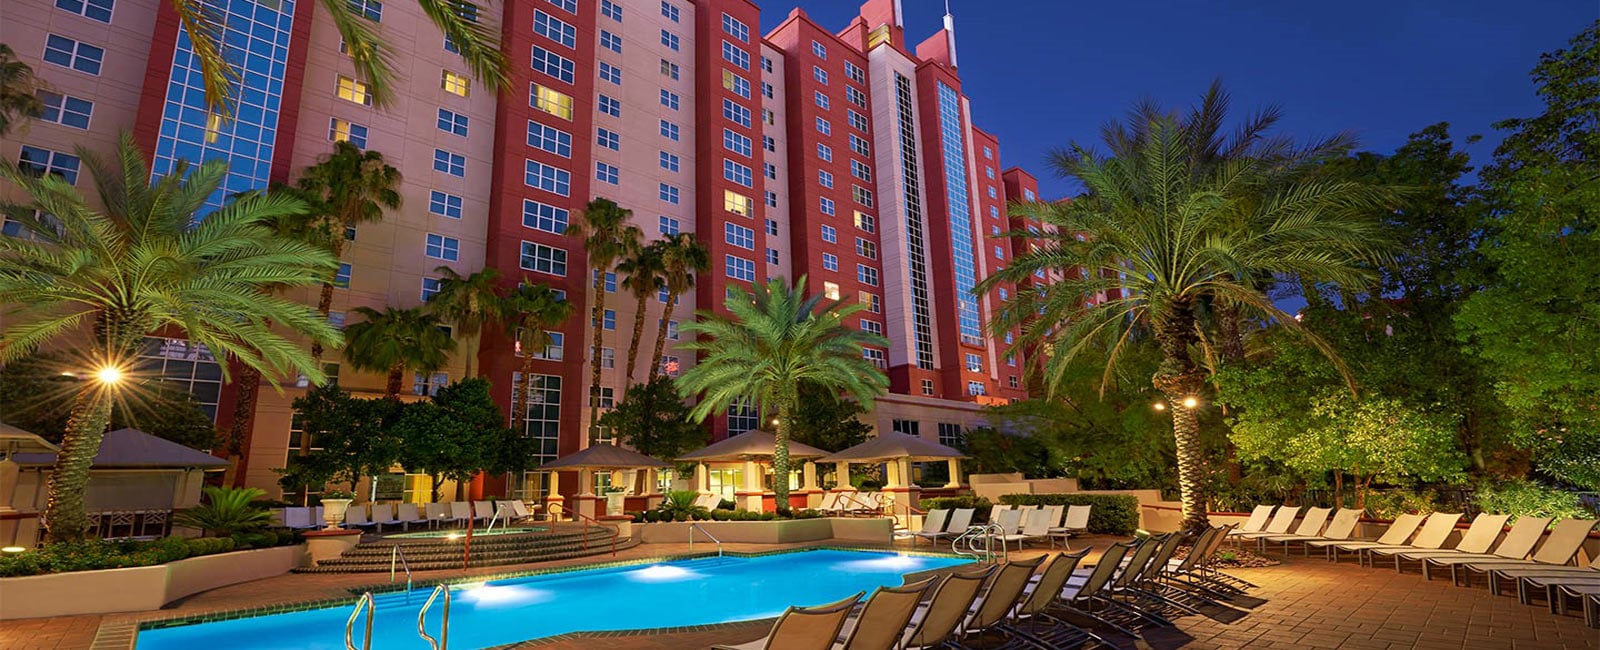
{"x": 455, "y": 84}
{"x": 738, "y": 203}
{"x": 355, "y": 91}
{"x": 550, "y": 101}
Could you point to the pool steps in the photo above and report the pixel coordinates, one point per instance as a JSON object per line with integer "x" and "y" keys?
{"x": 424, "y": 554}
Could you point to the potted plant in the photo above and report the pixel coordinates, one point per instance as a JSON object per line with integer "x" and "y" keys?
{"x": 334, "y": 504}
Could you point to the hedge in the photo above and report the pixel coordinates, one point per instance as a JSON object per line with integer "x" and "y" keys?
{"x": 951, "y": 503}
{"x": 1112, "y": 514}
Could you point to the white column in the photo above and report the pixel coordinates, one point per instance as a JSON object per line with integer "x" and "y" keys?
{"x": 955, "y": 473}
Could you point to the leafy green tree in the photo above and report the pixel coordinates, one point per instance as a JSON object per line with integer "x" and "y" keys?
{"x": 607, "y": 238}
{"x": 394, "y": 341}
{"x": 682, "y": 257}
{"x": 992, "y": 451}
{"x": 828, "y": 422}
{"x": 467, "y": 302}
{"x": 1532, "y": 320}
{"x": 642, "y": 275}
{"x": 1162, "y": 234}
{"x": 528, "y": 312}
{"x": 36, "y": 395}
{"x": 19, "y": 88}
{"x": 97, "y": 280}
{"x": 354, "y": 437}
{"x": 776, "y": 339}
{"x": 653, "y": 419}
{"x": 454, "y": 435}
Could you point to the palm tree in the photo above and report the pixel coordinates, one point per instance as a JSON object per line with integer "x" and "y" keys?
{"x": 395, "y": 340}
{"x": 528, "y": 311}
{"x": 476, "y": 42}
{"x": 1160, "y": 232}
{"x": 99, "y": 280}
{"x": 777, "y": 339}
{"x": 467, "y": 302}
{"x": 643, "y": 273}
{"x": 19, "y": 99}
{"x": 682, "y": 256}
{"x": 346, "y": 188}
{"x": 607, "y": 237}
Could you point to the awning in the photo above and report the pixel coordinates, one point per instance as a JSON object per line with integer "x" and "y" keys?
{"x": 747, "y": 445}
{"x": 605, "y": 456}
{"x": 135, "y": 449}
{"x": 890, "y": 445}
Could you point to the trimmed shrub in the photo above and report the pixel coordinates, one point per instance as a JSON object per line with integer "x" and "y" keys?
{"x": 1529, "y": 499}
{"x": 980, "y": 504}
{"x": 1112, "y": 514}
{"x": 99, "y": 554}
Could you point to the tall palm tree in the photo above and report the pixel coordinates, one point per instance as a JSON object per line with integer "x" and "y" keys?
{"x": 527, "y": 312}
{"x": 642, "y": 276}
{"x": 607, "y": 237}
{"x": 1160, "y": 232}
{"x": 99, "y": 279}
{"x": 467, "y": 302}
{"x": 19, "y": 99}
{"x": 475, "y": 41}
{"x": 682, "y": 256}
{"x": 346, "y": 188}
{"x": 776, "y": 339}
{"x": 396, "y": 340}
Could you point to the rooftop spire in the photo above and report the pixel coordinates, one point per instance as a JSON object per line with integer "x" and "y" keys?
{"x": 950, "y": 32}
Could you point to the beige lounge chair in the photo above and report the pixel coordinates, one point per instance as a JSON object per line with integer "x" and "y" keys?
{"x": 1310, "y": 526}
{"x": 1550, "y": 585}
{"x": 461, "y": 512}
{"x": 299, "y": 519}
{"x": 1434, "y": 532}
{"x": 803, "y": 628}
{"x": 356, "y": 515}
{"x": 1004, "y": 592}
{"x": 882, "y": 621}
{"x": 1518, "y": 543}
{"x": 1042, "y": 627}
{"x": 1256, "y": 523}
{"x": 958, "y": 522}
{"x": 1591, "y": 602}
{"x": 830, "y": 503}
{"x": 438, "y": 514}
{"x": 1077, "y": 521}
{"x": 383, "y": 515}
{"x": 482, "y": 511}
{"x": 1281, "y": 521}
{"x": 1398, "y": 532}
{"x": 1485, "y": 529}
{"x": 1501, "y": 575}
{"x": 408, "y": 514}
{"x": 933, "y": 625}
{"x": 1010, "y": 523}
{"x": 932, "y": 525}
{"x": 1558, "y": 549}
{"x": 1343, "y": 525}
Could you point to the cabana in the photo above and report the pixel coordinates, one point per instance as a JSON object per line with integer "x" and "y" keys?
{"x": 751, "y": 453}
{"x": 897, "y": 451}
{"x": 624, "y": 466}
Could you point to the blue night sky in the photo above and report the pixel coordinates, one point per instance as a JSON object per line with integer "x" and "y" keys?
{"x": 1044, "y": 72}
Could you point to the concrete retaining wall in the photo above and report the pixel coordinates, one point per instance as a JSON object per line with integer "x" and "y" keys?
{"x": 139, "y": 589}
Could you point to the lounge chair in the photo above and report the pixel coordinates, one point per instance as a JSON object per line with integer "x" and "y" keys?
{"x": 866, "y": 504}
{"x": 804, "y": 628}
{"x": 1256, "y": 522}
{"x": 1044, "y": 629}
{"x": 708, "y": 501}
{"x": 882, "y": 621}
{"x": 383, "y": 515}
{"x": 1281, "y": 521}
{"x": 356, "y": 515}
{"x": 1010, "y": 523}
{"x": 1055, "y": 521}
{"x": 932, "y": 525}
{"x": 438, "y": 514}
{"x": 1080, "y": 597}
{"x": 1310, "y": 526}
{"x": 830, "y": 503}
{"x": 408, "y": 515}
{"x": 1558, "y": 549}
{"x": 1550, "y": 585}
{"x": 994, "y": 512}
{"x": 461, "y": 512}
{"x": 1434, "y": 532}
{"x": 1518, "y": 543}
{"x": 1543, "y": 572}
{"x": 1077, "y": 521}
{"x": 1485, "y": 529}
{"x": 1343, "y": 525}
{"x": 1398, "y": 532}
{"x": 934, "y": 624}
{"x": 1591, "y": 602}
{"x": 1036, "y": 524}
{"x": 298, "y": 519}
{"x": 997, "y": 602}
{"x": 483, "y": 511}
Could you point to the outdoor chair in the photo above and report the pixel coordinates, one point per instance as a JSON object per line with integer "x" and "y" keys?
{"x": 1082, "y": 597}
{"x": 1310, "y": 526}
{"x": 438, "y": 513}
{"x": 1434, "y": 532}
{"x": 1043, "y": 628}
{"x": 1281, "y": 521}
{"x": 1010, "y": 523}
{"x": 460, "y": 512}
{"x": 830, "y": 503}
{"x": 708, "y": 501}
{"x": 934, "y": 623}
{"x": 1077, "y": 521}
{"x": 482, "y": 511}
{"x": 994, "y": 607}
{"x": 1558, "y": 549}
{"x": 804, "y": 628}
{"x": 882, "y": 621}
{"x": 1518, "y": 543}
{"x": 867, "y": 504}
{"x": 408, "y": 515}
{"x": 298, "y": 519}
{"x": 1591, "y": 602}
{"x": 932, "y": 525}
{"x": 1550, "y": 586}
{"x": 1256, "y": 522}
{"x": 1398, "y": 532}
{"x": 1485, "y": 529}
{"x": 1343, "y": 525}
{"x": 995, "y": 510}
{"x": 1541, "y": 572}
{"x": 383, "y": 515}
{"x": 1035, "y": 525}
{"x": 356, "y": 515}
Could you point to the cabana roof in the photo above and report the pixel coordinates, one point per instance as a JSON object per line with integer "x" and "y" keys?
{"x": 604, "y": 456}
{"x": 749, "y": 444}
{"x": 135, "y": 449}
{"x": 890, "y": 445}
{"x": 17, "y": 441}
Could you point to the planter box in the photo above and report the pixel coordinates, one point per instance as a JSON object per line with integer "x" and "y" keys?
{"x": 875, "y": 530}
{"x": 139, "y": 589}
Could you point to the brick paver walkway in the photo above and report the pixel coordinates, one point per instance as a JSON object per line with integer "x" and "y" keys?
{"x": 1309, "y": 604}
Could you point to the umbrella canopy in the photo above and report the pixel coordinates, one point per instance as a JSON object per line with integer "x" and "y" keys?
{"x": 132, "y": 448}
{"x": 17, "y": 441}
{"x": 890, "y": 445}
{"x": 748, "y": 444}
{"x": 604, "y": 456}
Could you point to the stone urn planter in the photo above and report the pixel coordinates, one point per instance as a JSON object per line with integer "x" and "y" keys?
{"x": 333, "y": 512}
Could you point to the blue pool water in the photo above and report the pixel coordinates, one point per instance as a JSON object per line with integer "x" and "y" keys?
{"x": 667, "y": 594}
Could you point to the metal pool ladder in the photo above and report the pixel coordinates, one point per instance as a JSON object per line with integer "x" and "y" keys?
{"x": 973, "y": 535}
{"x": 695, "y": 527}
{"x": 399, "y": 555}
{"x": 444, "y": 627}
{"x": 364, "y": 603}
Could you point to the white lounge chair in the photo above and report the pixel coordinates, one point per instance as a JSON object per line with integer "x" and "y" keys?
{"x": 461, "y": 512}
{"x": 867, "y": 504}
{"x": 408, "y": 514}
{"x": 1256, "y": 522}
{"x": 1558, "y": 549}
{"x": 1398, "y": 532}
{"x": 482, "y": 511}
{"x": 1077, "y": 521}
{"x": 830, "y": 503}
{"x": 1432, "y": 536}
{"x": 933, "y": 525}
{"x": 298, "y": 519}
{"x": 1011, "y": 526}
{"x": 1485, "y": 529}
{"x": 1310, "y": 526}
{"x": 1343, "y": 525}
{"x": 960, "y": 519}
{"x": 383, "y": 515}
{"x": 1281, "y": 521}
{"x": 438, "y": 514}
{"x": 356, "y": 515}
{"x": 1516, "y": 546}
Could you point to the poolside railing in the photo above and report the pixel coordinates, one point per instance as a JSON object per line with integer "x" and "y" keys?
{"x": 694, "y": 527}
{"x": 443, "y": 641}
{"x": 367, "y": 604}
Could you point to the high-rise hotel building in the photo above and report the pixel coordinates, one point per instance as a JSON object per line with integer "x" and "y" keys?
{"x": 847, "y": 156}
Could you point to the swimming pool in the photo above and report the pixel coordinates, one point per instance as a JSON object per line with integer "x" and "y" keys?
{"x": 665, "y": 594}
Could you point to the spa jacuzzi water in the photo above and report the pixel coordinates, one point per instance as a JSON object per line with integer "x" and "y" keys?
{"x": 667, "y": 594}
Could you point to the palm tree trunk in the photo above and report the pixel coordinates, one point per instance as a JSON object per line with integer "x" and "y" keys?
{"x": 86, "y": 427}
{"x": 474, "y": 340}
{"x": 397, "y": 378}
{"x": 661, "y": 334}
{"x": 1179, "y": 379}
{"x": 244, "y": 418}
{"x": 780, "y": 455}
{"x": 324, "y": 306}
{"x": 597, "y": 319}
{"x": 633, "y": 346}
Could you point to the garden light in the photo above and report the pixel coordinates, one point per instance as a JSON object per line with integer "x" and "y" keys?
{"x": 1190, "y": 402}
{"x": 109, "y": 375}
{"x": 1159, "y": 406}
{"x": 13, "y": 549}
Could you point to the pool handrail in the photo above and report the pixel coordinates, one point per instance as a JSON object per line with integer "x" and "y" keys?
{"x": 366, "y": 603}
{"x": 443, "y": 641}
{"x": 397, "y": 554}
{"x": 696, "y": 526}
{"x": 556, "y": 508}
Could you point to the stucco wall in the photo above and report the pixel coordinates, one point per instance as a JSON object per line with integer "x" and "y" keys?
{"x": 140, "y": 588}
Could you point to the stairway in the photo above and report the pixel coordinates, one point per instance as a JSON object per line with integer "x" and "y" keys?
{"x": 566, "y": 541}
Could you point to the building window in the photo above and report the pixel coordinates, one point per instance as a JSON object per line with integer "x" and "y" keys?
{"x": 873, "y": 302}
{"x": 830, "y": 290}
{"x": 827, "y": 206}
{"x": 855, "y": 73}
{"x": 77, "y": 55}
{"x": 354, "y": 91}
{"x": 861, "y": 170}
{"x": 867, "y": 275}
{"x": 876, "y": 358}
{"x": 857, "y": 120}
{"x": 820, "y": 99}
{"x": 950, "y": 434}
{"x": 552, "y": 64}
{"x": 736, "y": 84}
{"x": 671, "y": 41}
{"x": 669, "y": 130}
{"x": 974, "y": 363}
{"x": 772, "y": 227}
{"x": 669, "y": 365}
{"x": 452, "y": 122}
{"x": 732, "y": 27}
{"x": 824, "y": 127}
{"x": 670, "y": 100}
{"x": 859, "y": 145}
{"x": 183, "y": 364}
{"x": 999, "y": 254}
{"x": 610, "y": 106}
{"x": 738, "y": 203}
{"x": 450, "y": 163}
{"x": 737, "y": 143}
{"x": 766, "y": 64}
{"x": 855, "y": 97}
{"x": 92, "y": 9}
{"x": 455, "y": 84}
{"x": 908, "y": 427}
{"x": 610, "y": 73}
{"x": 341, "y": 278}
{"x": 544, "y": 259}
{"x": 346, "y": 131}
{"x": 545, "y": 177}
{"x": 608, "y": 283}
{"x": 768, "y": 143}
{"x": 976, "y": 388}
{"x": 830, "y": 234}
{"x": 670, "y": 162}
{"x": 819, "y": 74}
{"x": 670, "y": 70}
{"x": 830, "y": 262}
{"x": 669, "y": 11}
{"x": 554, "y": 29}
{"x": 550, "y": 139}
{"x": 740, "y": 115}
{"x": 605, "y": 173}
{"x": 611, "y": 41}
{"x": 772, "y": 200}
{"x": 611, "y": 10}
{"x": 772, "y": 256}
{"x": 550, "y": 101}
{"x": 608, "y": 319}
{"x": 866, "y": 249}
{"x": 430, "y": 288}
{"x": 668, "y": 193}
{"x": 429, "y": 383}
{"x": 824, "y": 152}
{"x": 552, "y": 352}
{"x": 740, "y": 268}
{"x": 737, "y": 173}
{"x": 927, "y": 387}
{"x": 65, "y": 109}
{"x": 736, "y": 56}
{"x": 770, "y": 170}
{"x": 444, "y": 205}
{"x": 544, "y": 217}
{"x": 825, "y": 178}
{"x": 766, "y": 90}
{"x": 442, "y": 247}
{"x": 608, "y": 139}
{"x": 866, "y": 222}
{"x": 541, "y": 422}
{"x": 861, "y": 195}
{"x": 738, "y": 235}
{"x": 872, "y": 327}
{"x": 742, "y": 417}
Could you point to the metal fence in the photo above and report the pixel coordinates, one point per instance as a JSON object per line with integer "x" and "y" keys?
{"x": 131, "y": 524}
